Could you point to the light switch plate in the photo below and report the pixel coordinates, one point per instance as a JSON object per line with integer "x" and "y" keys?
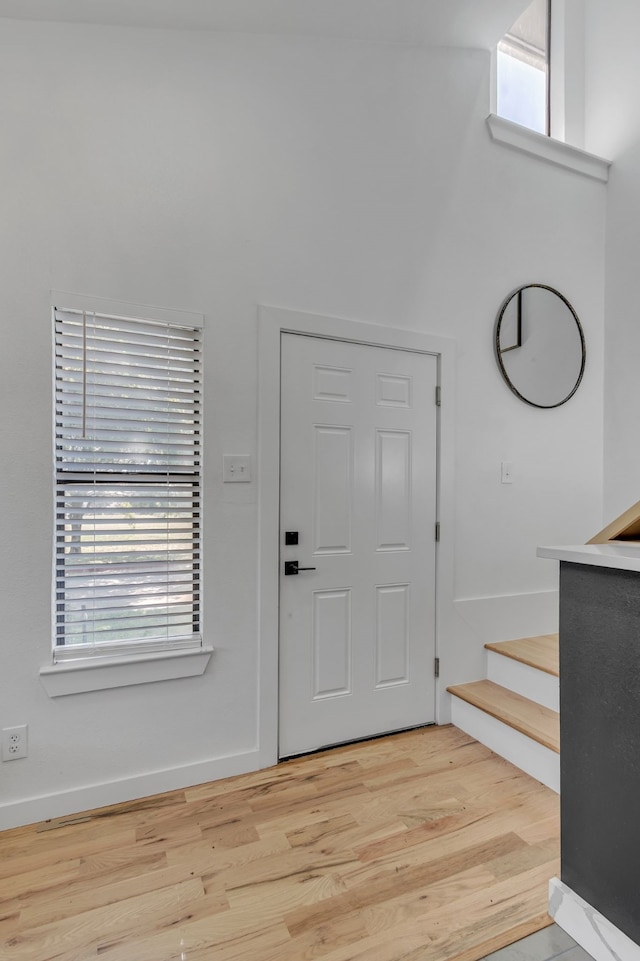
{"x": 506, "y": 472}
{"x": 236, "y": 468}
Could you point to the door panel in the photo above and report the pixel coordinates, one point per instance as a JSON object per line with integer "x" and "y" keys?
{"x": 392, "y": 635}
{"x": 393, "y": 490}
{"x": 333, "y": 489}
{"x": 358, "y": 483}
{"x": 331, "y": 643}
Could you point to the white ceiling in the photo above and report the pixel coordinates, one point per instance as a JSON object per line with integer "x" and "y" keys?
{"x": 464, "y": 23}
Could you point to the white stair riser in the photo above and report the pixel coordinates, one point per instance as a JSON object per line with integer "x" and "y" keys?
{"x": 522, "y": 751}
{"x": 525, "y": 680}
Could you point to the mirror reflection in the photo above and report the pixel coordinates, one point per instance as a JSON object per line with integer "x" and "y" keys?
{"x": 540, "y": 346}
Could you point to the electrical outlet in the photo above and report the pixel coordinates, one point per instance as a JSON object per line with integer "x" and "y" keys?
{"x": 14, "y": 742}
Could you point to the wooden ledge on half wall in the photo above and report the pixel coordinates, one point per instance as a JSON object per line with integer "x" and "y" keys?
{"x": 625, "y": 528}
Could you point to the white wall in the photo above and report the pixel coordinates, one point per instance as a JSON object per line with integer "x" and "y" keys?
{"x": 216, "y": 172}
{"x": 612, "y": 107}
{"x": 622, "y": 394}
{"x": 568, "y": 71}
{"x": 613, "y": 129}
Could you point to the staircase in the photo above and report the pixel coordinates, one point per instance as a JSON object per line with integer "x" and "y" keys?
{"x": 515, "y": 712}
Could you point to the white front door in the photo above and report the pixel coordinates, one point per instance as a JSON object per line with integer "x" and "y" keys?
{"x": 358, "y": 490}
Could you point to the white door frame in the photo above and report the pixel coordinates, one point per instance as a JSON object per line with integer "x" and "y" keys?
{"x": 272, "y": 323}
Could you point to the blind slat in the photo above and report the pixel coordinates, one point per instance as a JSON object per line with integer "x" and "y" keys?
{"x": 71, "y": 406}
{"x": 102, "y": 348}
{"x": 168, "y": 426}
{"x": 145, "y": 575}
{"x": 71, "y": 438}
{"x": 125, "y": 399}
{"x": 125, "y": 327}
{"x": 115, "y": 611}
{"x": 71, "y": 339}
{"x": 102, "y": 366}
{"x": 134, "y": 626}
{"x": 105, "y": 600}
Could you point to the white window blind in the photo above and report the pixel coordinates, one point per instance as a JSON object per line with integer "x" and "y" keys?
{"x": 127, "y": 458}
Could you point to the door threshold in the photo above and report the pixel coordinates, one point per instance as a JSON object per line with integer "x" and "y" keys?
{"x": 357, "y": 740}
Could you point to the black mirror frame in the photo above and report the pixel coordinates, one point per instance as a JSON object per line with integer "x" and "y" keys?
{"x": 503, "y": 371}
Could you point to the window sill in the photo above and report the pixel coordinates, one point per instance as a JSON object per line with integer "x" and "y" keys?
{"x": 554, "y": 151}
{"x": 78, "y": 677}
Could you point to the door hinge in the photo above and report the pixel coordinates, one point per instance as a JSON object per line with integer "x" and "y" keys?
{"x": 436, "y": 666}
{"x": 438, "y": 396}
{"x": 437, "y": 530}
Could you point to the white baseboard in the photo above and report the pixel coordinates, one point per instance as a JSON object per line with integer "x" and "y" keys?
{"x": 595, "y": 933}
{"x": 523, "y": 752}
{"x": 31, "y": 810}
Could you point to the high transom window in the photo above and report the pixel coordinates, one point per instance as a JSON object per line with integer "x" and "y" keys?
{"x": 127, "y": 466}
{"x": 523, "y": 69}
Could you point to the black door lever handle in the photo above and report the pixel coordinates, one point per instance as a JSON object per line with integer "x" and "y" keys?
{"x": 291, "y": 567}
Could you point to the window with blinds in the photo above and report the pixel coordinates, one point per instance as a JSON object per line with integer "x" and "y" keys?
{"x": 127, "y": 462}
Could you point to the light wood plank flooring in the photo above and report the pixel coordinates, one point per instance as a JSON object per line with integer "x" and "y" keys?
{"x": 422, "y": 846}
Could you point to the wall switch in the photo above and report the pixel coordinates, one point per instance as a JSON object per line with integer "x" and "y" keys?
{"x": 14, "y": 742}
{"x": 236, "y": 468}
{"x": 506, "y": 474}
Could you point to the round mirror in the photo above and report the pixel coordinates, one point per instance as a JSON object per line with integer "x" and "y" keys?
{"x": 540, "y": 346}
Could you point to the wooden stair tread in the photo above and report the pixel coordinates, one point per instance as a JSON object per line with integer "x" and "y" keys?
{"x": 540, "y": 652}
{"x": 528, "y": 717}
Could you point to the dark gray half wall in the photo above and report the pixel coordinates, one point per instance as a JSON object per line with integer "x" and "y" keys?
{"x": 600, "y": 739}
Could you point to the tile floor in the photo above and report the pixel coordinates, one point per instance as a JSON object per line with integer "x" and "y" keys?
{"x": 550, "y": 944}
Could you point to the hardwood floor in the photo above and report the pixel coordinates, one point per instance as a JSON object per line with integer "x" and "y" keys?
{"x": 421, "y": 846}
